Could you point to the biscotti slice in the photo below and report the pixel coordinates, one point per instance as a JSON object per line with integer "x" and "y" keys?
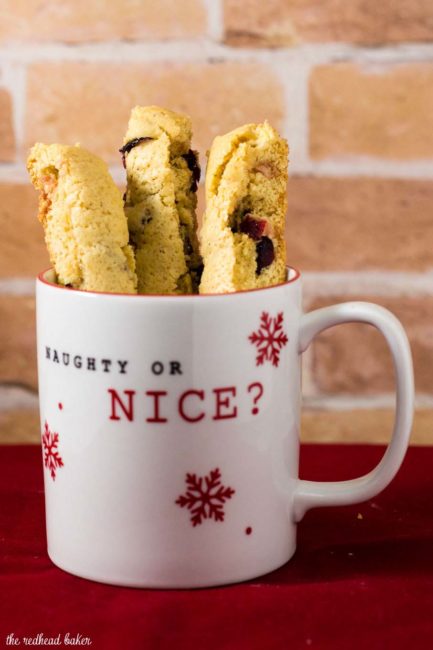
{"x": 160, "y": 200}
{"x": 242, "y": 239}
{"x": 81, "y": 211}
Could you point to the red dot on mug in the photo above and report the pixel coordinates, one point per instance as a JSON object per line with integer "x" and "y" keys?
{"x": 255, "y": 410}
{"x": 60, "y": 405}
{"x": 248, "y": 530}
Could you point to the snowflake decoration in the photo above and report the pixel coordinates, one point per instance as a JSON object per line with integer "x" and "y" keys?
{"x": 205, "y": 497}
{"x": 269, "y": 339}
{"x": 52, "y": 458}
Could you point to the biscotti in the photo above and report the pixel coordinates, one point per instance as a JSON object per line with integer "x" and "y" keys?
{"x": 242, "y": 239}
{"x": 160, "y": 200}
{"x": 81, "y": 211}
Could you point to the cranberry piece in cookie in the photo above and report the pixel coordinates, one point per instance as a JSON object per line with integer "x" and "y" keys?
{"x": 129, "y": 146}
{"x": 252, "y": 226}
{"x": 191, "y": 159}
{"x": 265, "y": 254}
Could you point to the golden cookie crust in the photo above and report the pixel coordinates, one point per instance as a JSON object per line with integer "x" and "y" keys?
{"x": 81, "y": 211}
{"x": 246, "y": 176}
{"x": 160, "y": 200}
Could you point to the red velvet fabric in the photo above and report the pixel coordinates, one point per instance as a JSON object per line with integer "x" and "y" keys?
{"x": 362, "y": 576}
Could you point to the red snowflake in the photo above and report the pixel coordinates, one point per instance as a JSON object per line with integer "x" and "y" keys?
{"x": 269, "y": 339}
{"x": 205, "y": 497}
{"x": 52, "y": 458}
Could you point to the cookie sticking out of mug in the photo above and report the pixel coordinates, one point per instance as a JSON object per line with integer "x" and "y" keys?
{"x": 160, "y": 200}
{"x": 81, "y": 211}
{"x": 242, "y": 238}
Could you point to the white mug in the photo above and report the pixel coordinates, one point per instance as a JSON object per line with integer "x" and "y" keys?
{"x": 170, "y": 430}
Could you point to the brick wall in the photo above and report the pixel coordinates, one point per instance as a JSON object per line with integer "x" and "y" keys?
{"x": 349, "y": 82}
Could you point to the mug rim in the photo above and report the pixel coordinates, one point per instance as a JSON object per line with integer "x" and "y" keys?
{"x": 42, "y": 279}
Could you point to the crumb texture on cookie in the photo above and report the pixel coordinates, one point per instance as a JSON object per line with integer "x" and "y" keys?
{"x": 242, "y": 238}
{"x": 160, "y": 200}
{"x": 81, "y": 211}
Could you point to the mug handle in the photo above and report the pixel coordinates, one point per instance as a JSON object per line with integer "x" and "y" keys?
{"x": 313, "y": 494}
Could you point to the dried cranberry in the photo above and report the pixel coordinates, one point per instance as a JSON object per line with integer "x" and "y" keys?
{"x": 252, "y": 226}
{"x": 191, "y": 159}
{"x": 265, "y": 254}
{"x": 130, "y": 145}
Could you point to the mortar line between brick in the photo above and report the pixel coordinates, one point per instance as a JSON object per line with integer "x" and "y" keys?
{"x": 17, "y": 397}
{"x": 17, "y": 286}
{"x": 385, "y": 284}
{"x": 294, "y": 78}
{"x": 364, "y": 166}
{"x": 201, "y": 48}
{"x": 423, "y": 401}
{"x": 215, "y": 19}
{"x": 299, "y": 165}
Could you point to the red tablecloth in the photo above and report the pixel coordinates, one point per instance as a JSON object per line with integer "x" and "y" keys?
{"x": 362, "y": 576}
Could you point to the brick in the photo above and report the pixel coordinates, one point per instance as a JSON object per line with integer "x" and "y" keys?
{"x": 22, "y": 247}
{"x": 355, "y": 358}
{"x": 367, "y": 22}
{"x": 359, "y": 223}
{"x": 78, "y": 21}
{"x": 257, "y": 23}
{"x": 382, "y": 111}
{"x": 7, "y": 138}
{"x": 19, "y": 427}
{"x": 362, "y": 426}
{"x": 18, "y": 341}
{"x": 72, "y": 102}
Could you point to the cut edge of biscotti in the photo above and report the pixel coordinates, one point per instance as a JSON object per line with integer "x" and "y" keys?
{"x": 160, "y": 200}
{"x": 242, "y": 238}
{"x": 81, "y": 211}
